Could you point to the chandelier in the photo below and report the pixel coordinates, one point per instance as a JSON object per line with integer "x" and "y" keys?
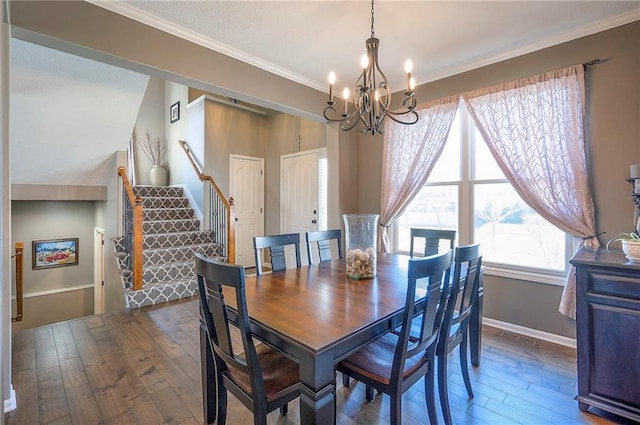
{"x": 372, "y": 95}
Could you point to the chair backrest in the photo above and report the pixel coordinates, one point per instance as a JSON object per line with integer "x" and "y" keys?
{"x": 212, "y": 277}
{"x": 467, "y": 262}
{"x": 276, "y": 244}
{"x": 432, "y": 239}
{"x": 426, "y": 315}
{"x": 322, "y": 239}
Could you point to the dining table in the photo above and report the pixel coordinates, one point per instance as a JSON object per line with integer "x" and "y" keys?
{"x": 318, "y": 316}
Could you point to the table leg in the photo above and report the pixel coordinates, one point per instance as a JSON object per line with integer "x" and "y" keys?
{"x": 208, "y": 375}
{"x": 475, "y": 327}
{"x": 317, "y": 393}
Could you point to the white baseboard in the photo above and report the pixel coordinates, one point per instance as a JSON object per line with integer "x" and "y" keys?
{"x": 11, "y": 403}
{"x": 534, "y": 333}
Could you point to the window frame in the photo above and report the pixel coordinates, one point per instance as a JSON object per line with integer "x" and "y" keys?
{"x": 466, "y": 207}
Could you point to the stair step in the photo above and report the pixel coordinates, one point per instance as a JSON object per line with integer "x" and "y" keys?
{"x": 169, "y": 240}
{"x": 155, "y": 202}
{"x": 158, "y": 191}
{"x": 170, "y": 226}
{"x": 154, "y": 214}
{"x": 160, "y": 292}
{"x": 180, "y": 254}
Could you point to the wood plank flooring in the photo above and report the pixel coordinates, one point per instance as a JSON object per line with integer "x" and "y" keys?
{"x": 142, "y": 367}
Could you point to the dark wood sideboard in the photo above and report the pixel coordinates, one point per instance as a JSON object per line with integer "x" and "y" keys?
{"x": 608, "y": 331}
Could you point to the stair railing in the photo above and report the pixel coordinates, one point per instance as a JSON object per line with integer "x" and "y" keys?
{"x": 222, "y": 215}
{"x": 19, "y": 260}
{"x": 133, "y": 217}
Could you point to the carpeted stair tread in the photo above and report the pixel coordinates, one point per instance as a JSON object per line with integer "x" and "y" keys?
{"x": 170, "y": 226}
{"x": 161, "y": 292}
{"x": 154, "y": 214}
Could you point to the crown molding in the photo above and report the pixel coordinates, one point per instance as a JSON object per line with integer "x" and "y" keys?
{"x": 583, "y": 31}
{"x": 131, "y": 12}
{"x": 163, "y": 25}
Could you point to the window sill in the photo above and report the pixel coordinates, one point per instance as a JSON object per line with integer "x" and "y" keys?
{"x": 529, "y": 276}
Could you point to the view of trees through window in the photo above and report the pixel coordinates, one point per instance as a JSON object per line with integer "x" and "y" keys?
{"x": 468, "y": 192}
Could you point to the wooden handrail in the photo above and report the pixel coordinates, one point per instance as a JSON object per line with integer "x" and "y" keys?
{"x": 19, "y": 255}
{"x": 137, "y": 251}
{"x": 228, "y": 203}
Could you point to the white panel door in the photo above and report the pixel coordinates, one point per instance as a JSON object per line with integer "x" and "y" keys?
{"x": 299, "y": 197}
{"x": 246, "y": 186}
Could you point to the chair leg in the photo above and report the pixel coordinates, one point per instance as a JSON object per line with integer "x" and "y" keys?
{"x": 345, "y": 379}
{"x": 396, "y": 409}
{"x": 369, "y": 393}
{"x": 444, "y": 392}
{"x": 222, "y": 405}
{"x": 430, "y": 395}
{"x": 464, "y": 365}
{"x": 284, "y": 409}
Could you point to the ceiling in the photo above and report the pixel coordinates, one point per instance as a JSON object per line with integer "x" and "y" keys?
{"x": 304, "y": 40}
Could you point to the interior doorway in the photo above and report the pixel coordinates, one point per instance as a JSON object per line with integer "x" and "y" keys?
{"x": 98, "y": 270}
{"x": 246, "y": 187}
{"x": 303, "y": 195}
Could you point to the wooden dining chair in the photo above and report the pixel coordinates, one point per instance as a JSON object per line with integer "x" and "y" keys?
{"x": 397, "y": 360}
{"x": 261, "y": 378}
{"x": 467, "y": 263}
{"x": 322, "y": 240}
{"x": 432, "y": 238}
{"x": 276, "y": 245}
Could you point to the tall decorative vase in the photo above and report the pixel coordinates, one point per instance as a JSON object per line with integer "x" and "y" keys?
{"x": 158, "y": 175}
{"x": 361, "y": 231}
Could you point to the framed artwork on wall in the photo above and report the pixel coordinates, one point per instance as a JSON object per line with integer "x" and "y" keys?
{"x": 174, "y": 112}
{"x": 54, "y": 253}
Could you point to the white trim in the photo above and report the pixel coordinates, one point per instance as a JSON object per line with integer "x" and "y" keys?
{"x": 528, "y": 276}
{"x": 534, "y": 333}
{"x": 55, "y": 291}
{"x": 11, "y": 403}
{"x": 575, "y": 33}
{"x": 98, "y": 270}
{"x": 128, "y": 11}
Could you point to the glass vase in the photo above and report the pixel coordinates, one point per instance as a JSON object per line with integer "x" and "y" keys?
{"x": 361, "y": 231}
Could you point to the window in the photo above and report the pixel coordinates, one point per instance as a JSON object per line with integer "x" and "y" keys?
{"x": 468, "y": 192}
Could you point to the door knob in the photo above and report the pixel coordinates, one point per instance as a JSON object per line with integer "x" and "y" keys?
{"x": 314, "y": 221}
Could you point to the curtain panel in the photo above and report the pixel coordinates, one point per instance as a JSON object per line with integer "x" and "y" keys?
{"x": 408, "y": 156}
{"x": 534, "y": 128}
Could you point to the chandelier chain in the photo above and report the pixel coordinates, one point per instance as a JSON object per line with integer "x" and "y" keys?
{"x": 373, "y": 32}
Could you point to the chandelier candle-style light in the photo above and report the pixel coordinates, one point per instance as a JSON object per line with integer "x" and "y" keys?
{"x": 372, "y": 95}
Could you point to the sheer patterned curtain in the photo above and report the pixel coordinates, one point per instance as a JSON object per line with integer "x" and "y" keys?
{"x": 409, "y": 154}
{"x": 534, "y": 129}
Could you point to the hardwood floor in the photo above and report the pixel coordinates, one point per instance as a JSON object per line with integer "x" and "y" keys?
{"x": 142, "y": 367}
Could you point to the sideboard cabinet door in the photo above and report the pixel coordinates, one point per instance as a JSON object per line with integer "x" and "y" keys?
{"x": 608, "y": 332}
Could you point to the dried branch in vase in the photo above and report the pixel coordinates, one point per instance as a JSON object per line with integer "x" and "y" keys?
{"x": 155, "y": 150}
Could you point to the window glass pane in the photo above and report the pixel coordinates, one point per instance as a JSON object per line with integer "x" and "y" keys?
{"x": 435, "y": 207}
{"x": 447, "y": 168}
{"x": 485, "y": 165}
{"x": 512, "y": 233}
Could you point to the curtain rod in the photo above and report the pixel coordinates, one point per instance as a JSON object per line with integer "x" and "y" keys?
{"x": 591, "y": 62}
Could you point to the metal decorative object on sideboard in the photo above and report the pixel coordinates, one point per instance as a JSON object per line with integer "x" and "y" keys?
{"x": 607, "y": 328}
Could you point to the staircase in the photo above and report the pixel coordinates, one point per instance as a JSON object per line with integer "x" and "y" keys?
{"x": 172, "y": 236}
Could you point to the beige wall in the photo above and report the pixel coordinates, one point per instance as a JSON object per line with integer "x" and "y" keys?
{"x": 58, "y": 307}
{"x": 282, "y": 132}
{"x": 613, "y": 143}
{"x": 151, "y": 118}
{"x": 37, "y": 220}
